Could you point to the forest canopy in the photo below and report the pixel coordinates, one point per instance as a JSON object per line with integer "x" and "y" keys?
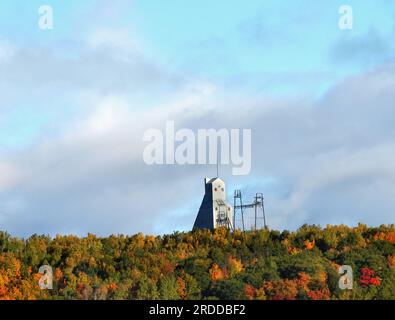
{"x": 203, "y": 264}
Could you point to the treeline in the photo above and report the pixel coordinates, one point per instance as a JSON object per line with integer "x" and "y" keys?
{"x": 203, "y": 265}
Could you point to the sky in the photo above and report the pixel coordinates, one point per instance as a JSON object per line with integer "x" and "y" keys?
{"x": 76, "y": 100}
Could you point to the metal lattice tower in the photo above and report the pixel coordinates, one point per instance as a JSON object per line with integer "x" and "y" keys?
{"x": 258, "y": 205}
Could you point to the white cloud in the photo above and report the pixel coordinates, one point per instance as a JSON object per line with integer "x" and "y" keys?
{"x": 92, "y": 179}
{"x": 9, "y": 176}
{"x": 6, "y": 51}
{"x": 329, "y": 160}
{"x": 120, "y": 42}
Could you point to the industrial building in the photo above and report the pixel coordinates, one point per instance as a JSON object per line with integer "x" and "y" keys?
{"x": 214, "y": 211}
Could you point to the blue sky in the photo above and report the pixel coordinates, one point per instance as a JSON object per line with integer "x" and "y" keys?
{"x": 260, "y": 46}
{"x": 74, "y": 95}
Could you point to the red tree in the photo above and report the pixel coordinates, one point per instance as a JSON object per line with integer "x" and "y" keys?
{"x": 368, "y": 278}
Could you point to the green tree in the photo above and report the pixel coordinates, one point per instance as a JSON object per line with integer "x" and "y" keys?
{"x": 168, "y": 288}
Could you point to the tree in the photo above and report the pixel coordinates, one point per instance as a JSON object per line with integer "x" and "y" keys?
{"x": 168, "y": 288}
{"x": 146, "y": 289}
{"x": 281, "y": 289}
{"x": 368, "y": 278}
{"x": 232, "y": 289}
{"x": 203, "y": 264}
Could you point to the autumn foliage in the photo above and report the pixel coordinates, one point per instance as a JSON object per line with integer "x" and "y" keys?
{"x": 203, "y": 264}
{"x": 368, "y": 278}
{"x": 386, "y": 236}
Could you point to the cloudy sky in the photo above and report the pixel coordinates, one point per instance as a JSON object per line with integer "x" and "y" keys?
{"x": 75, "y": 102}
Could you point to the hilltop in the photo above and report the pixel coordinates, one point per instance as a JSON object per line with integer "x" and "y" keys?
{"x": 204, "y": 265}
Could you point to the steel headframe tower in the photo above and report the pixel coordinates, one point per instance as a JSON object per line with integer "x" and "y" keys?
{"x": 214, "y": 212}
{"x": 239, "y": 208}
